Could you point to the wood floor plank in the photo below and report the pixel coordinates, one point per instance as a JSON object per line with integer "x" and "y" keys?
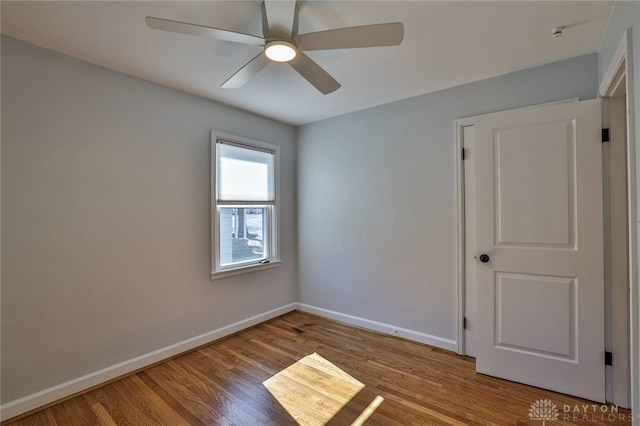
{"x": 254, "y": 393}
{"x": 114, "y": 405}
{"x": 182, "y": 403}
{"x": 104, "y": 419}
{"x": 268, "y": 374}
{"x": 233, "y": 404}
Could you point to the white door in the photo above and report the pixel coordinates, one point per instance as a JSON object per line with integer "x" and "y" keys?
{"x": 540, "y": 294}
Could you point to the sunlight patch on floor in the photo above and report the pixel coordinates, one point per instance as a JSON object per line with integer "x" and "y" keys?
{"x": 371, "y": 408}
{"x": 313, "y": 391}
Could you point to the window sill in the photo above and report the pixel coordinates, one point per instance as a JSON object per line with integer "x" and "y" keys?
{"x": 244, "y": 270}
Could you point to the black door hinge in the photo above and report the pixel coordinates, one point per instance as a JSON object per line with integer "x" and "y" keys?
{"x": 464, "y": 323}
{"x": 463, "y": 153}
{"x": 605, "y": 135}
{"x": 608, "y": 358}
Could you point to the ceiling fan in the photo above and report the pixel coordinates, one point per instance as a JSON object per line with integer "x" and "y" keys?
{"x": 282, "y": 43}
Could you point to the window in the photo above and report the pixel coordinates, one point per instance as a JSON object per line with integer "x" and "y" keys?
{"x": 244, "y": 205}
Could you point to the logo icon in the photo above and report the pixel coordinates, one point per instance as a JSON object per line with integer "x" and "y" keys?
{"x": 544, "y": 410}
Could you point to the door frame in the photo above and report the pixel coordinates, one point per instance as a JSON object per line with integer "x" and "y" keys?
{"x": 460, "y": 232}
{"x": 622, "y": 67}
{"x": 459, "y": 126}
{"x": 460, "y": 235}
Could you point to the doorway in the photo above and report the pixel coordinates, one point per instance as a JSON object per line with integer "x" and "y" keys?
{"x": 616, "y": 265}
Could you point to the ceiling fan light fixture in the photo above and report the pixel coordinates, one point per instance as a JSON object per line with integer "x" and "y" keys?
{"x": 280, "y": 51}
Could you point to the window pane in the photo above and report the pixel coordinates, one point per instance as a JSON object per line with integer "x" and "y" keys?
{"x": 242, "y": 235}
{"x": 244, "y": 174}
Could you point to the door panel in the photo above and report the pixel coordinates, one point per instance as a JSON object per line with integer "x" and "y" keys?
{"x": 539, "y": 218}
{"x": 520, "y": 299}
{"x": 522, "y": 186}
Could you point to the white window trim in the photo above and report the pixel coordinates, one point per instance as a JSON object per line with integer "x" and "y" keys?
{"x": 274, "y": 234}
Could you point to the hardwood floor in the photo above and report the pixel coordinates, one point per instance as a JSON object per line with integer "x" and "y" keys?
{"x": 321, "y": 371}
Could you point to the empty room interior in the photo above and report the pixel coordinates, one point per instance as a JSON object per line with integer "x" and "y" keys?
{"x": 320, "y": 212}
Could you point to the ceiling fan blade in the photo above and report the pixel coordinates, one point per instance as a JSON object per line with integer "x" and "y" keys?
{"x": 314, "y": 74}
{"x": 353, "y": 37}
{"x": 265, "y": 21}
{"x": 200, "y": 30}
{"x": 296, "y": 14}
{"x": 246, "y": 72}
{"x": 280, "y": 16}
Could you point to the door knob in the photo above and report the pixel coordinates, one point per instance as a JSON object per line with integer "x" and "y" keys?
{"x": 484, "y": 258}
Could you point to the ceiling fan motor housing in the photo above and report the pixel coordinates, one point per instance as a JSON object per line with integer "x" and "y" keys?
{"x": 280, "y": 50}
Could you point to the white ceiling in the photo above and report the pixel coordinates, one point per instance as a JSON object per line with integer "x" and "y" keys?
{"x": 446, "y": 43}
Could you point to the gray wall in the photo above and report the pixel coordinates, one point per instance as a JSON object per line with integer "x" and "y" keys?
{"x": 105, "y": 219}
{"x": 626, "y": 14}
{"x": 376, "y": 192}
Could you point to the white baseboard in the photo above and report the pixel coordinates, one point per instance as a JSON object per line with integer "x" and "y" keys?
{"x": 393, "y": 330}
{"x": 63, "y": 390}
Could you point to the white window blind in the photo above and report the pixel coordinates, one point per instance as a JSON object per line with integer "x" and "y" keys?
{"x": 245, "y": 174}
